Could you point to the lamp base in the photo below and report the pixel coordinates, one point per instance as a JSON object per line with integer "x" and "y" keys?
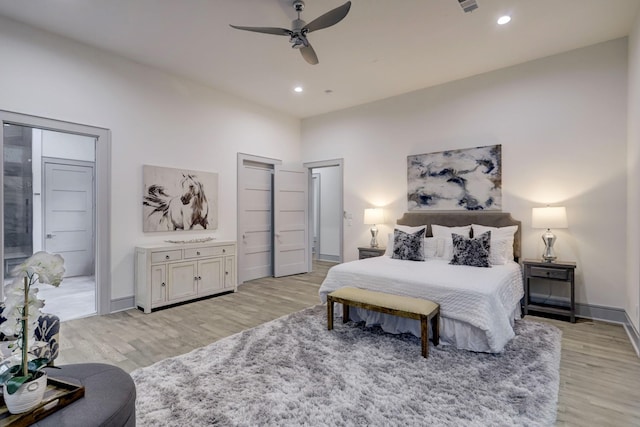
{"x": 549, "y": 239}
{"x": 374, "y": 237}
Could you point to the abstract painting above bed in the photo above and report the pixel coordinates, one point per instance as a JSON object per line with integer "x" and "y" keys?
{"x": 466, "y": 179}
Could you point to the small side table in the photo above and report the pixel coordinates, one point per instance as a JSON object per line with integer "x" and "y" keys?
{"x": 560, "y": 271}
{"x": 369, "y": 252}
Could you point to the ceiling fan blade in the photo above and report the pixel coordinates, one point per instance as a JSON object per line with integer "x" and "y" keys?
{"x": 330, "y": 18}
{"x": 265, "y": 30}
{"x": 309, "y": 55}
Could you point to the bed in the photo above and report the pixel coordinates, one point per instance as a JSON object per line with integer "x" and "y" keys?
{"x": 478, "y": 305}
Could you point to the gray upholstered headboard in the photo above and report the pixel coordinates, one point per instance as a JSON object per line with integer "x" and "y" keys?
{"x": 458, "y": 218}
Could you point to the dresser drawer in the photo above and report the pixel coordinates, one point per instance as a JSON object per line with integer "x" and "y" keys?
{"x": 550, "y": 273}
{"x": 164, "y": 256}
{"x": 208, "y": 251}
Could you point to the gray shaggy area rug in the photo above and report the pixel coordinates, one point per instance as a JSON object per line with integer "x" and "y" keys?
{"x": 293, "y": 371}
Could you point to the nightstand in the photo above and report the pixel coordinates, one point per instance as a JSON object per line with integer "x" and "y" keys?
{"x": 369, "y": 252}
{"x": 560, "y": 271}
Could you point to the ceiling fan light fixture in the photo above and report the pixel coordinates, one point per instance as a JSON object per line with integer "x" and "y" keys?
{"x": 505, "y": 19}
{"x": 299, "y": 29}
{"x": 298, "y": 41}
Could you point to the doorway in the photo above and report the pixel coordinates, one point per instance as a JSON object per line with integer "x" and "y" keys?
{"x": 327, "y": 208}
{"x": 55, "y": 190}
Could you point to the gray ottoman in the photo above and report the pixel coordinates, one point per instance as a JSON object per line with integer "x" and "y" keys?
{"x": 109, "y": 397}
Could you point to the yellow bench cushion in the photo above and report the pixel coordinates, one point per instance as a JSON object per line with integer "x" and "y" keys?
{"x": 381, "y": 299}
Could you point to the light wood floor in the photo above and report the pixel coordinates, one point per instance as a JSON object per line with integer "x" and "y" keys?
{"x": 599, "y": 371}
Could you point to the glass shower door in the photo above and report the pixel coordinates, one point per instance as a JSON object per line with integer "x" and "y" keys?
{"x": 18, "y": 196}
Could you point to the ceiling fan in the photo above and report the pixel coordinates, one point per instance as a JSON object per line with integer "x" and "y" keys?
{"x": 299, "y": 29}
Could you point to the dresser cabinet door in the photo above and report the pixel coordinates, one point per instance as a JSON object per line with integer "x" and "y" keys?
{"x": 210, "y": 275}
{"x": 230, "y": 272}
{"x": 183, "y": 281}
{"x": 158, "y": 284}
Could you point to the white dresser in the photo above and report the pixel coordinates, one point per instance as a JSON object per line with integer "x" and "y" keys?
{"x": 172, "y": 273}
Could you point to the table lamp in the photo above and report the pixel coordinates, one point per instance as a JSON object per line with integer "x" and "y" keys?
{"x": 549, "y": 217}
{"x": 373, "y": 216}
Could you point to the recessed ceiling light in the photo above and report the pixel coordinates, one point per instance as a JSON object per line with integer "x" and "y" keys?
{"x": 298, "y": 89}
{"x": 504, "y": 20}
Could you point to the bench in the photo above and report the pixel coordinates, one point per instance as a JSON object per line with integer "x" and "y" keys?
{"x": 412, "y": 308}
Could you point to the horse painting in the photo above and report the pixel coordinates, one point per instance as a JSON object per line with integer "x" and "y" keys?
{"x": 185, "y": 209}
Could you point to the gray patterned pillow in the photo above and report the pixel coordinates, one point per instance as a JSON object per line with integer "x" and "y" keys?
{"x": 473, "y": 252}
{"x": 408, "y": 246}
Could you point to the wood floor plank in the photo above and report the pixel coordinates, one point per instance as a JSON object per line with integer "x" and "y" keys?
{"x": 599, "y": 371}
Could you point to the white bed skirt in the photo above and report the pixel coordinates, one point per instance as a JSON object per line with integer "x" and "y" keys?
{"x": 452, "y": 332}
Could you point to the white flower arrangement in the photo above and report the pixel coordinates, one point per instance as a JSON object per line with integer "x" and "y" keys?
{"x": 22, "y": 310}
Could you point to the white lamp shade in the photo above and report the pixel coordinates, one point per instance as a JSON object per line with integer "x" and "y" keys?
{"x": 373, "y": 216}
{"x": 549, "y": 217}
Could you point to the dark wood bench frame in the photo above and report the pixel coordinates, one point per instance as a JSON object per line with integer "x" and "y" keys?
{"x": 433, "y": 318}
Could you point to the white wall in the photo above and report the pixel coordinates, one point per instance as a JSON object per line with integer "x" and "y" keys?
{"x": 561, "y": 121}
{"x": 154, "y": 118}
{"x": 633, "y": 179}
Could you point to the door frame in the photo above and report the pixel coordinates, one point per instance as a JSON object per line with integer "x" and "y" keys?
{"x": 339, "y": 163}
{"x": 102, "y": 194}
{"x": 315, "y": 206}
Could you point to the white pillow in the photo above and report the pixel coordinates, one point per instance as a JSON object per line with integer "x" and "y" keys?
{"x": 497, "y": 234}
{"x": 498, "y": 251}
{"x": 445, "y": 250}
{"x": 409, "y": 229}
{"x": 430, "y": 247}
{"x": 389, "y": 250}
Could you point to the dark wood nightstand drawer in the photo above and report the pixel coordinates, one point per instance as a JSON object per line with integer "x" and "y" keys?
{"x": 370, "y": 252}
{"x": 550, "y": 273}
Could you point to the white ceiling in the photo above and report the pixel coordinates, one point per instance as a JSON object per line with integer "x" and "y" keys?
{"x": 381, "y": 49}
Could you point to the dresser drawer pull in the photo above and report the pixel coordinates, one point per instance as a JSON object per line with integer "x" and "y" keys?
{"x": 167, "y": 257}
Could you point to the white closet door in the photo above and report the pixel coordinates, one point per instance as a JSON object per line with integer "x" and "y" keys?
{"x": 255, "y": 181}
{"x": 291, "y": 221}
{"x": 68, "y": 207}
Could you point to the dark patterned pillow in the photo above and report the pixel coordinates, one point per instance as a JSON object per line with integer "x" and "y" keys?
{"x": 408, "y": 246}
{"x": 473, "y": 252}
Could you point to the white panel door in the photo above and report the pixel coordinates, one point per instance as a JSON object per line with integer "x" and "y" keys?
{"x": 255, "y": 181}
{"x": 68, "y": 222}
{"x": 291, "y": 221}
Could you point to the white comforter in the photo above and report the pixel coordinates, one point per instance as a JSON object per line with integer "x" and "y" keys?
{"x": 484, "y": 298}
